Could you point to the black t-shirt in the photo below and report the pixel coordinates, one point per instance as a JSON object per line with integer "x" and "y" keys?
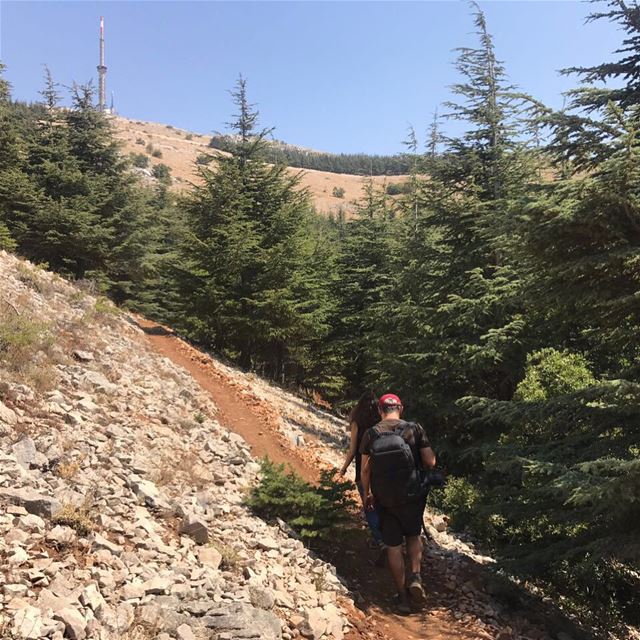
{"x": 414, "y": 435}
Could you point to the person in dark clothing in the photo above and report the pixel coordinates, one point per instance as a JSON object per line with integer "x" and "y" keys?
{"x": 402, "y": 522}
{"x": 361, "y": 418}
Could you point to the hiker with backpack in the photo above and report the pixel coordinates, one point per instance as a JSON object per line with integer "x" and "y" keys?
{"x": 361, "y": 418}
{"x": 395, "y": 454}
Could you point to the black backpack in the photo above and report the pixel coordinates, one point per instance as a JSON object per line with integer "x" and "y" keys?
{"x": 395, "y": 476}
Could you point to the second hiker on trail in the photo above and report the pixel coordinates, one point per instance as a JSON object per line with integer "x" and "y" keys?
{"x": 394, "y": 453}
{"x": 361, "y": 418}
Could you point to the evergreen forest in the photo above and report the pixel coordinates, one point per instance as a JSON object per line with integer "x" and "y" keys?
{"x": 276, "y": 151}
{"x": 499, "y": 295}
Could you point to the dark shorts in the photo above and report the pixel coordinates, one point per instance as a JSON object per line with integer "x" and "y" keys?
{"x": 401, "y": 521}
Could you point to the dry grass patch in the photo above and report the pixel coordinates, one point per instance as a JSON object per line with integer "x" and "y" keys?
{"x": 26, "y": 350}
{"x": 231, "y": 560}
{"x": 75, "y": 517}
{"x": 103, "y": 312}
{"x": 68, "y": 469}
{"x": 182, "y": 469}
{"x": 34, "y": 278}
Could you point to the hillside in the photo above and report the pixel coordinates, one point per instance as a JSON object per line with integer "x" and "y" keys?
{"x": 122, "y": 489}
{"x": 180, "y": 153}
{"x": 121, "y": 495}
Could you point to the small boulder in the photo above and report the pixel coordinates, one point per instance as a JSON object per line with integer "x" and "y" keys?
{"x": 157, "y": 586}
{"x": 184, "y": 632}
{"x": 75, "y": 625}
{"x": 27, "y": 623}
{"x": 210, "y": 557}
{"x": 195, "y": 528}
{"x": 83, "y": 356}
{"x": 26, "y": 454}
{"x": 8, "y": 416}
{"x": 262, "y": 598}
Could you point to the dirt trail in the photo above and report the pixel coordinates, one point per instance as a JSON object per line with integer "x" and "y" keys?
{"x": 445, "y": 616}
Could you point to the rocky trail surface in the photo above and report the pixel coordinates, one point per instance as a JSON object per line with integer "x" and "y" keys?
{"x": 280, "y": 425}
{"x": 125, "y": 459}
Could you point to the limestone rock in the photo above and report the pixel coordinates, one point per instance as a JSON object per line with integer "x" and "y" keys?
{"x": 25, "y": 452}
{"x": 210, "y": 557}
{"x": 157, "y": 585}
{"x": 184, "y": 632}
{"x": 92, "y": 598}
{"x": 244, "y": 621}
{"x": 314, "y": 625}
{"x": 75, "y": 625}
{"x": 27, "y": 623}
{"x": 262, "y": 598}
{"x": 100, "y": 542}
{"x": 195, "y": 528}
{"x": 8, "y": 416}
{"x": 83, "y": 356}
{"x": 61, "y": 535}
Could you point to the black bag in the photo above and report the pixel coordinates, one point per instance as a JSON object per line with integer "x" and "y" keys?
{"x": 395, "y": 477}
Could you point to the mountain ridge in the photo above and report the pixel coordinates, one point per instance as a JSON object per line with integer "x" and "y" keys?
{"x": 180, "y": 149}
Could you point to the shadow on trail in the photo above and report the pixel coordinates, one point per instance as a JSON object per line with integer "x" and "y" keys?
{"x": 465, "y": 599}
{"x": 155, "y": 330}
{"x": 339, "y": 442}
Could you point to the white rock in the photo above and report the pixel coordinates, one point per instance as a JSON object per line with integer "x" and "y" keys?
{"x": 157, "y": 585}
{"x": 92, "y": 598}
{"x": 25, "y": 452}
{"x": 210, "y": 557}
{"x": 75, "y": 625}
{"x": 61, "y": 535}
{"x": 184, "y": 632}
{"x": 100, "y": 542}
{"x": 18, "y": 557}
{"x": 83, "y": 356}
{"x": 27, "y": 622}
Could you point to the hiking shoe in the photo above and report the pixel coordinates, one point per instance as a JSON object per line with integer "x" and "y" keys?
{"x": 401, "y": 604}
{"x": 416, "y": 589}
{"x": 381, "y": 560}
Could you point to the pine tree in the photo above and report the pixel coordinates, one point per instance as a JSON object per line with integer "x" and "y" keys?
{"x": 456, "y": 284}
{"x": 18, "y": 197}
{"x": 582, "y": 239}
{"x": 251, "y": 286}
{"x": 367, "y": 246}
{"x": 626, "y": 68}
{"x": 92, "y": 219}
{"x": 582, "y": 134}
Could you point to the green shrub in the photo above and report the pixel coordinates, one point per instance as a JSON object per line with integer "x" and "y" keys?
{"x": 189, "y": 136}
{"x": 156, "y": 153}
{"x": 140, "y": 160}
{"x": 314, "y": 512}
{"x": 162, "y": 173}
{"x": 7, "y": 243}
{"x": 397, "y": 188}
{"x": 338, "y": 192}
{"x": 140, "y": 141}
{"x": 551, "y": 373}
{"x": 457, "y": 500}
{"x": 20, "y": 339}
{"x": 204, "y": 158}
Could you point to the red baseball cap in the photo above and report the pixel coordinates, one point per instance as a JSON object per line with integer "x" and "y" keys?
{"x": 389, "y": 400}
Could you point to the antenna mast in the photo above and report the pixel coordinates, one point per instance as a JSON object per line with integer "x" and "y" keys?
{"x": 102, "y": 71}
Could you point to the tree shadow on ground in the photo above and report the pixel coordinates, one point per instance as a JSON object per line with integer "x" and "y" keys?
{"x": 461, "y": 593}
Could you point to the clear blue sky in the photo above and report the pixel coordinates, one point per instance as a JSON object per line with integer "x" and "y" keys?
{"x": 335, "y": 76}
